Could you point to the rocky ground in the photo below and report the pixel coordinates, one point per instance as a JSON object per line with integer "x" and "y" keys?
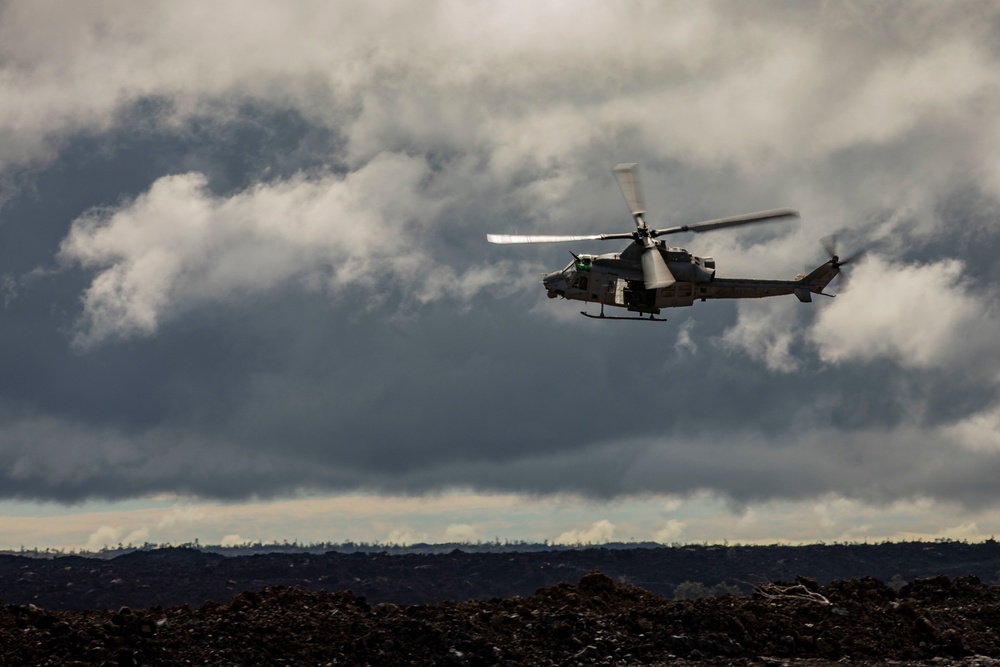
{"x": 182, "y": 606}
{"x": 593, "y": 622}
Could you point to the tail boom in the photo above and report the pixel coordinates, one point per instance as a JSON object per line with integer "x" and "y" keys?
{"x": 803, "y": 287}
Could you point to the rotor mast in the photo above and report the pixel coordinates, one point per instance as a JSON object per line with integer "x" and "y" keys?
{"x": 655, "y": 272}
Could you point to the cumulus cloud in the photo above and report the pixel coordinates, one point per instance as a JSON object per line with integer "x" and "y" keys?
{"x": 600, "y": 532}
{"x": 910, "y": 313}
{"x": 766, "y": 332}
{"x": 686, "y": 78}
{"x": 979, "y": 432}
{"x": 178, "y": 245}
{"x": 920, "y": 315}
{"x": 671, "y": 532}
{"x": 110, "y": 536}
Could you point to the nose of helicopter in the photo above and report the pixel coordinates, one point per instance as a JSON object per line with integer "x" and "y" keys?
{"x": 555, "y": 283}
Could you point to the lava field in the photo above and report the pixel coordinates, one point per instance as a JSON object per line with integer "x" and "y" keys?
{"x": 592, "y": 619}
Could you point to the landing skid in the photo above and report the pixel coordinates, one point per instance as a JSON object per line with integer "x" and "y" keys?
{"x": 602, "y": 316}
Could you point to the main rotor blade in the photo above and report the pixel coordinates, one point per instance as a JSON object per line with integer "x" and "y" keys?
{"x": 655, "y": 273}
{"x": 628, "y": 181}
{"x": 542, "y": 238}
{"x": 733, "y": 221}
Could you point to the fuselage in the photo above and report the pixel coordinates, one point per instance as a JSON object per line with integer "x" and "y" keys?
{"x": 616, "y": 279}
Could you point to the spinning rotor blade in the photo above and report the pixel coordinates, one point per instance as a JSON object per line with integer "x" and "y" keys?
{"x": 628, "y": 181}
{"x": 732, "y": 221}
{"x": 857, "y": 258}
{"x": 541, "y": 238}
{"x": 655, "y": 273}
{"x": 829, "y": 244}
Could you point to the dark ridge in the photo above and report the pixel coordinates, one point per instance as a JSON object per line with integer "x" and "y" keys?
{"x": 174, "y": 576}
{"x": 168, "y": 555}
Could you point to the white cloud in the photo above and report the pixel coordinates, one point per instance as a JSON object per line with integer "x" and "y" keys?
{"x": 919, "y": 315}
{"x": 108, "y": 536}
{"x": 102, "y": 537}
{"x": 178, "y": 245}
{"x": 686, "y": 78}
{"x": 766, "y": 330}
{"x": 232, "y": 540}
{"x": 686, "y": 344}
{"x": 461, "y": 532}
{"x": 405, "y": 535}
{"x": 671, "y": 532}
{"x": 600, "y": 532}
{"x": 979, "y": 432}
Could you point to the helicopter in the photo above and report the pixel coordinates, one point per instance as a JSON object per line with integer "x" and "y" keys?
{"x": 648, "y": 275}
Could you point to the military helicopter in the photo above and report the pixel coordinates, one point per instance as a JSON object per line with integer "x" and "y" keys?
{"x": 648, "y": 275}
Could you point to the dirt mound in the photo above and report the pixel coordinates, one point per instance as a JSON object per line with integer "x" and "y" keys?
{"x": 597, "y": 622}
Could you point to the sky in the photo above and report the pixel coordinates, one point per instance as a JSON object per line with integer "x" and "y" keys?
{"x": 246, "y": 293}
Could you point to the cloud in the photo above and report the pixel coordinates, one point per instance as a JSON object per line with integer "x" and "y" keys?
{"x": 461, "y": 532}
{"x": 687, "y": 78}
{"x": 600, "y": 532}
{"x": 108, "y": 536}
{"x": 766, "y": 332}
{"x": 978, "y": 432}
{"x": 307, "y": 520}
{"x": 670, "y": 533}
{"x": 268, "y": 222}
{"x": 912, "y": 313}
{"x": 405, "y": 535}
{"x": 178, "y": 246}
{"x": 232, "y": 540}
{"x": 102, "y": 537}
{"x": 685, "y": 341}
{"x": 909, "y": 313}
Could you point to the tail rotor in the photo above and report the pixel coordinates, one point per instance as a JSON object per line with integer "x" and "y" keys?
{"x": 829, "y": 244}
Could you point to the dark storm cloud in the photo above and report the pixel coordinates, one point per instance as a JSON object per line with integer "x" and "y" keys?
{"x": 260, "y": 281}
